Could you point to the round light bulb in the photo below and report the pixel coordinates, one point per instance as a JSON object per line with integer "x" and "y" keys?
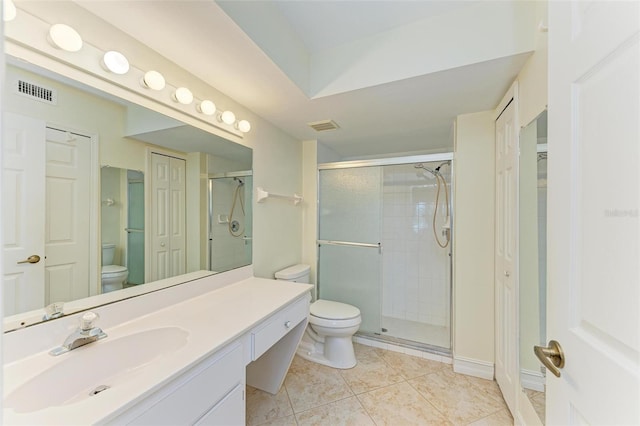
{"x": 228, "y": 117}
{"x": 64, "y": 37}
{"x": 183, "y": 95}
{"x": 9, "y": 11}
{"x": 207, "y": 107}
{"x": 153, "y": 80}
{"x": 244, "y": 126}
{"x": 115, "y": 62}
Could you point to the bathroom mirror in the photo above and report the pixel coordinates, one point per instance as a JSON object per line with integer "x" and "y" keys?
{"x": 532, "y": 257}
{"x": 115, "y": 206}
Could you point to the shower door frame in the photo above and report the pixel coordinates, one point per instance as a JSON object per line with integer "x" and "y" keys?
{"x": 397, "y": 161}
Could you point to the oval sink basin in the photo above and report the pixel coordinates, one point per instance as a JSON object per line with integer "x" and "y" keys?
{"x": 95, "y": 368}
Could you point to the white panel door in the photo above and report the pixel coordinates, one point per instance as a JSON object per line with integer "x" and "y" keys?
{"x": 23, "y": 188}
{"x": 178, "y": 213}
{"x": 160, "y": 217}
{"x": 505, "y": 273}
{"x": 593, "y": 220}
{"x": 168, "y": 212}
{"x": 68, "y": 212}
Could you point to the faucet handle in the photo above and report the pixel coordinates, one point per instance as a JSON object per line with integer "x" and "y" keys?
{"x": 53, "y": 310}
{"x": 87, "y": 320}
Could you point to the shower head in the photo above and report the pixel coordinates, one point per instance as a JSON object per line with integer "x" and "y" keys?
{"x": 433, "y": 173}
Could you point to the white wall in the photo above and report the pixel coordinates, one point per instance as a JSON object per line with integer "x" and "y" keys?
{"x": 473, "y": 247}
{"x": 532, "y": 80}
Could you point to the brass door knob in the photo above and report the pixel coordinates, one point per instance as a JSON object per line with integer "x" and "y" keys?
{"x": 551, "y": 356}
{"x": 34, "y": 258}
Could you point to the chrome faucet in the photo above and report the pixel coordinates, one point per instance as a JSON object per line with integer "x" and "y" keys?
{"x": 84, "y": 334}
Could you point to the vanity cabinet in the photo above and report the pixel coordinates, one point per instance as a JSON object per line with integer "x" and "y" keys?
{"x": 238, "y": 334}
{"x": 207, "y": 393}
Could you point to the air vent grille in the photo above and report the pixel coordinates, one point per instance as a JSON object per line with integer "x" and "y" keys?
{"x": 324, "y": 125}
{"x": 37, "y": 92}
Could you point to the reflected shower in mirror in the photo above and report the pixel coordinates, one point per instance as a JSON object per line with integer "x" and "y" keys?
{"x": 117, "y": 197}
{"x": 533, "y": 255}
{"x": 230, "y": 220}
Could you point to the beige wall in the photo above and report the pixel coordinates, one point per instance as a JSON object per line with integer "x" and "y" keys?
{"x": 473, "y": 241}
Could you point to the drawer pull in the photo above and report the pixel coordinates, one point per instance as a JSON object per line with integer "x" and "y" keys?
{"x": 287, "y": 324}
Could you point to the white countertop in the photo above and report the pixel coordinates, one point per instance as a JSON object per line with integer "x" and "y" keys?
{"x": 212, "y": 320}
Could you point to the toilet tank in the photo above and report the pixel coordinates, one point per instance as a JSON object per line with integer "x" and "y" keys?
{"x": 108, "y": 251}
{"x": 296, "y": 273}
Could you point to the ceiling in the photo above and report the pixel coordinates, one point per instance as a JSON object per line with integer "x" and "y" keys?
{"x": 392, "y": 74}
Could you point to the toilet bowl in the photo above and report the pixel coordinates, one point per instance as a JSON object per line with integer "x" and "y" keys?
{"x": 113, "y": 276}
{"x": 328, "y": 337}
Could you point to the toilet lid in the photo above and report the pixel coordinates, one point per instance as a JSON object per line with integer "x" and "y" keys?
{"x": 113, "y": 269}
{"x": 333, "y": 310}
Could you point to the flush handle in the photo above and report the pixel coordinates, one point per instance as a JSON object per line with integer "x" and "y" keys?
{"x": 551, "y": 356}
{"x": 287, "y": 324}
{"x": 34, "y": 258}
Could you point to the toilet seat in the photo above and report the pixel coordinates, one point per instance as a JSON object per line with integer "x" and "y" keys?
{"x": 328, "y": 309}
{"x": 111, "y": 270}
{"x": 326, "y": 313}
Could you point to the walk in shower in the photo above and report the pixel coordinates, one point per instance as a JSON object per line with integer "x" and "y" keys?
{"x": 380, "y": 251}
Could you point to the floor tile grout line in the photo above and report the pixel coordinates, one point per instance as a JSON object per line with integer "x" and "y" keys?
{"x": 444, "y": 415}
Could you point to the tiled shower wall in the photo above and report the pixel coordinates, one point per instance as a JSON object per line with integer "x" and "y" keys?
{"x": 415, "y": 284}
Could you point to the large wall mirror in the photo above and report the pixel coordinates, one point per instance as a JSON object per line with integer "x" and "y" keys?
{"x": 101, "y": 196}
{"x": 532, "y": 257}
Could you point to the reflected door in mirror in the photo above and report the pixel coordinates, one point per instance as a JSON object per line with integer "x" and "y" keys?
{"x": 23, "y": 178}
{"x": 47, "y": 188}
{"x": 168, "y": 238}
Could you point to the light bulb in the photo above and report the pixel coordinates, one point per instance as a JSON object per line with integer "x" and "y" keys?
{"x": 9, "y": 11}
{"x": 183, "y": 95}
{"x": 244, "y": 126}
{"x": 64, "y": 37}
{"x": 153, "y": 80}
{"x": 207, "y": 107}
{"x": 228, "y": 117}
{"x": 115, "y": 62}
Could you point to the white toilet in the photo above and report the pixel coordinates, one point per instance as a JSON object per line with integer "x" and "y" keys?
{"x": 327, "y": 339}
{"x": 113, "y": 276}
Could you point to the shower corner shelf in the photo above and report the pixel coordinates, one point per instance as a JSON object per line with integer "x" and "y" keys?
{"x": 262, "y": 195}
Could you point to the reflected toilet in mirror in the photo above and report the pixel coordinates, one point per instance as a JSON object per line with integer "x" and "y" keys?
{"x": 532, "y": 258}
{"x": 113, "y": 276}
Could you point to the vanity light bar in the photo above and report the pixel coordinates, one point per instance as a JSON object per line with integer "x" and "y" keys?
{"x": 66, "y": 38}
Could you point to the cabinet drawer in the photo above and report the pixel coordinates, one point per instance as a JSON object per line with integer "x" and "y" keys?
{"x": 191, "y": 399}
{"x": 277, "y": 326}
{"x": 230, "y": 411}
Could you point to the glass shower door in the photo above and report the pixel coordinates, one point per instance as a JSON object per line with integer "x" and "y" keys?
{"x": 349, "y": 240}
{"x": 135, "y": 227}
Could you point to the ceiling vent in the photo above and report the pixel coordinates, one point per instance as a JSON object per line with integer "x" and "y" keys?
{"x": 37, "y": 92}
{"x": 324, "y": 125}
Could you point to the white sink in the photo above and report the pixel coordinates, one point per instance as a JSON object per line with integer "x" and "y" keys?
{"x": 95, "y": 366}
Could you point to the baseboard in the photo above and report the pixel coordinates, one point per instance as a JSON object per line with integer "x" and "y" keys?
{"x": 533, "y": 380}
{"x": 473, "y": 367}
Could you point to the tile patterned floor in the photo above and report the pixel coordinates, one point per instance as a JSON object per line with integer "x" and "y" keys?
{"x": 385, "y": 388}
